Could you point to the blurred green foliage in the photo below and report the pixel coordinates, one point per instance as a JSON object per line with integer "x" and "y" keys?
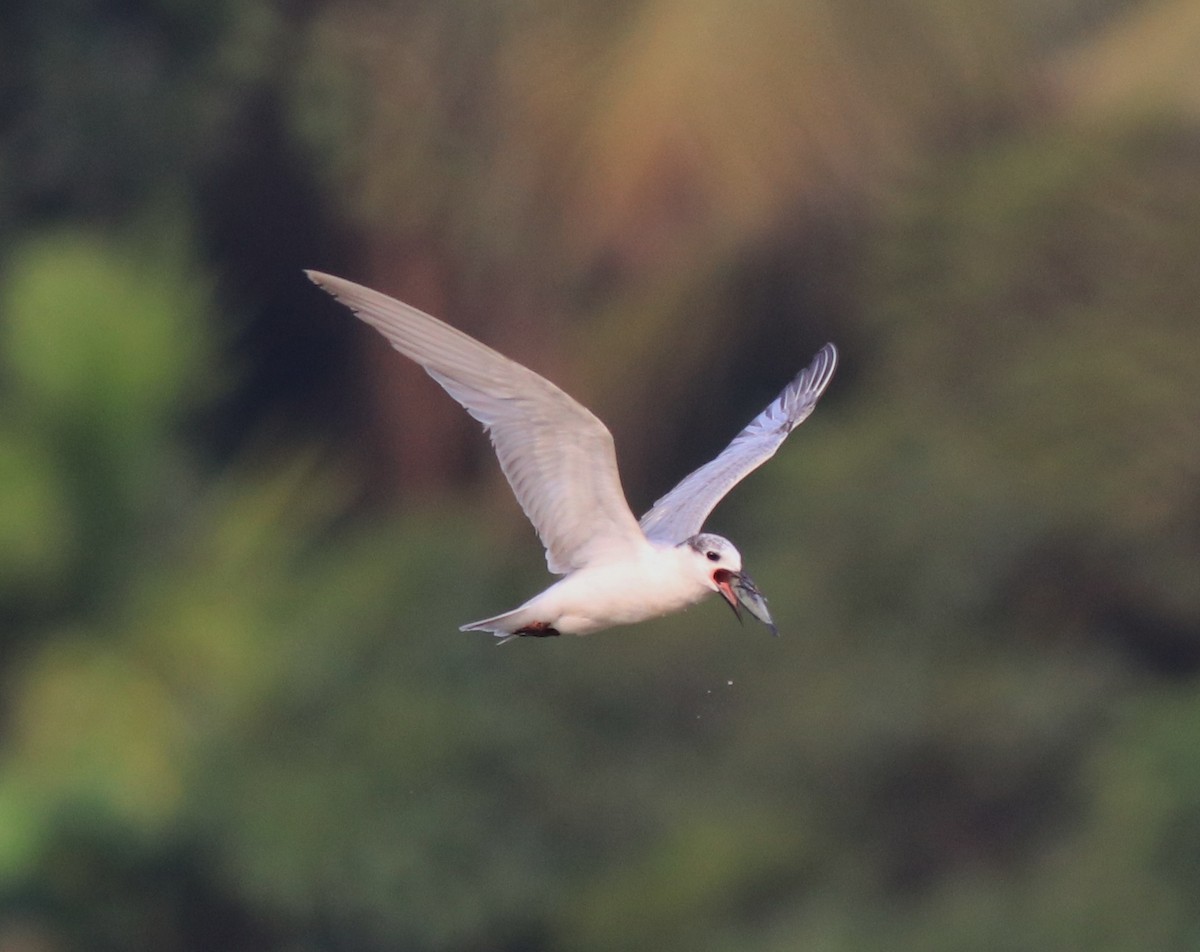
{"x": 236, "y": 713}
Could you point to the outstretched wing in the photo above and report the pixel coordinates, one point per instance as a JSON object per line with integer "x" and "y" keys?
{"x": 558, "y": 457}
{"x": 680, "y": 514}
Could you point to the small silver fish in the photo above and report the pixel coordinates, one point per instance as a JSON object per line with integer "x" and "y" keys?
{"x": 745, "y": 594}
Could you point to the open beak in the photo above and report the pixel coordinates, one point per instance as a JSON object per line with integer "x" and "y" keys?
{"x": 739, "y": 590}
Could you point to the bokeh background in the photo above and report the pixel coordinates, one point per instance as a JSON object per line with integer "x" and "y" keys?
{"x": 237, "y": 533}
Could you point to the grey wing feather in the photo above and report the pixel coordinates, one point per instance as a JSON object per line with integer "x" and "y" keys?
{"x": 680, "y": 514}
{"x": 557, "y": 455}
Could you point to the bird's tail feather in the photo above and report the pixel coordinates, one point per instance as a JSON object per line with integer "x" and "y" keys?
{"x": 502, "y": 626}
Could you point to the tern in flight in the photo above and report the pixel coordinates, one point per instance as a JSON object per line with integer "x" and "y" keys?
{"x": 560, "y": 461}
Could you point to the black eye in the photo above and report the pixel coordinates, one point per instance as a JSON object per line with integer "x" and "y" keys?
{"x": 712, "y": 556}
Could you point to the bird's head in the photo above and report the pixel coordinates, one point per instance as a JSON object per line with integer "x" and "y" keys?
{"x": 718, "y": 561}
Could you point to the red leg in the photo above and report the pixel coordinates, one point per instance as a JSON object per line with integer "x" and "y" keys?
{"x": 539, "y": 629}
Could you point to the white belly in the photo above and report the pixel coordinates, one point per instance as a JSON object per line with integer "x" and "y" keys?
{"x": 618, "y": 594}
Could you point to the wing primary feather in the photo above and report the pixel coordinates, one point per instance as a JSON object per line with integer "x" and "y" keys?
{"x": 680, "y": 514}
{"x": 558, "y": 457}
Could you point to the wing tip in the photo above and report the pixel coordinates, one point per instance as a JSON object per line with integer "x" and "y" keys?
{"x": 819, "y": 372}
{"x": 354, "y": 297}
{"x": 328, "y": 283}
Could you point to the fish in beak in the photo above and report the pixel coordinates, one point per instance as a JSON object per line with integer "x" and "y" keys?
{"x": 739, "y": 590}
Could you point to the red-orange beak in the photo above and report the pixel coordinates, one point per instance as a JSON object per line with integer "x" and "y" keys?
{"x": 724, "y": 580}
